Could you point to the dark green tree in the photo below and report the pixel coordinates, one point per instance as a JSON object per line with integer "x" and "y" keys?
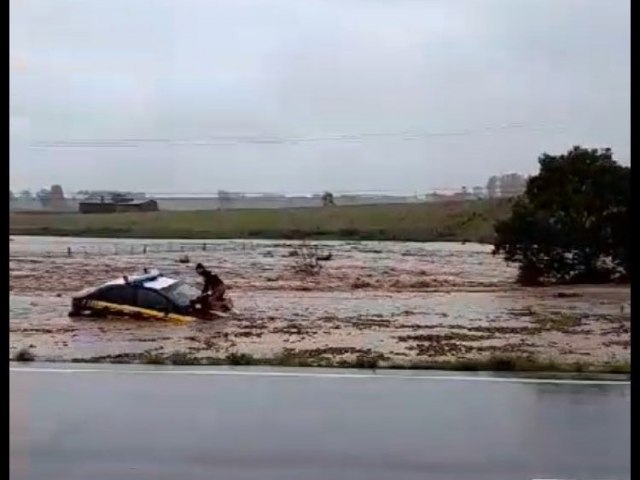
{"x": 26, "y": 195}
{"x": 328, "y": 199}
{"x": 44, "y": 196}
{"x": 572, "y": 223}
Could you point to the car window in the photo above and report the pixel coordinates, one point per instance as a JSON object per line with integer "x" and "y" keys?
{"x": 181, "y": 293}
{"x": 152, "y": 300}
{"x": 120, "y": 295}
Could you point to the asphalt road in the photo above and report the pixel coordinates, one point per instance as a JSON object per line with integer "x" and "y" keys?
{"x": 107, "y": 423}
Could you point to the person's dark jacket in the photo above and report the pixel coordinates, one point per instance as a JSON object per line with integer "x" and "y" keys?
{"x": 211, "y": 281}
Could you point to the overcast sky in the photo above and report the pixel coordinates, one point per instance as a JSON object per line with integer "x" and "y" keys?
{"x": 233, "y": 74}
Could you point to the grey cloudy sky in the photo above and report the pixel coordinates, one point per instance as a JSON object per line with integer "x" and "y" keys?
{"x": 194, "y": 70}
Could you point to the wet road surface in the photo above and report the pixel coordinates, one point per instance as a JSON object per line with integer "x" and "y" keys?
{"x": 143, "y": 422}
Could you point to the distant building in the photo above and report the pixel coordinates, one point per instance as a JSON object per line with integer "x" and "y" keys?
{"x": 508, "y": 185}
{"x": 478, "y": 192}
{"x": 109, "y": 206}
{"x": 463, "y": 195}
{"x": 114, "y": 195}
{"x": 435, "y": 197}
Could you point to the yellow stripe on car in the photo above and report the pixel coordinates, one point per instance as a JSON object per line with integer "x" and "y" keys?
{"x": 112, "y": 307}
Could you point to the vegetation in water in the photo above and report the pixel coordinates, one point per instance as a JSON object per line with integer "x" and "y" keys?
{"x": 24, "y": 355}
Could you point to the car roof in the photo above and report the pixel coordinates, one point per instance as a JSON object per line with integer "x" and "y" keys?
{"x": 156, "y": 282}
{"x": 153, "y": 280}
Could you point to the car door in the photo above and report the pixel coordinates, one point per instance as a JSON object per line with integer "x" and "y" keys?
{"x": 153, "y": 300}
{"x": 117, "y": 294}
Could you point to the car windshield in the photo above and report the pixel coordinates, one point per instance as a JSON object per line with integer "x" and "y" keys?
{"x": 181, "y": 293}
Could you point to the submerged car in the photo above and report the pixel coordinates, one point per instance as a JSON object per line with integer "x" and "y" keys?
{"x": 152, "y": 294}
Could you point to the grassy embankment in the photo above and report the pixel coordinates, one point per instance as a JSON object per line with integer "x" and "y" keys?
{"x": 470, "y": 221}
{"x": 494, "y": 363}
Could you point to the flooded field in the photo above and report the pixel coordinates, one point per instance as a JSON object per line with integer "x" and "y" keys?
{"x": 399, "y": 302}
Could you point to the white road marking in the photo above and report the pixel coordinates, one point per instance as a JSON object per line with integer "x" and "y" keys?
{"x": 301, "y": 374}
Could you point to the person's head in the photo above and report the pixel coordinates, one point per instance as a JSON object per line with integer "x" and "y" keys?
{"x": 200, "y": 269}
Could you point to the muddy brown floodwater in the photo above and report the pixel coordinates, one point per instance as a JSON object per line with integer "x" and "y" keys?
{"x": 404, "y": 303}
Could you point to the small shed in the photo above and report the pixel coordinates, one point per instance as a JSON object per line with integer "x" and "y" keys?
{"x": 138, "y": 206}
{"x": 108, "y": 206}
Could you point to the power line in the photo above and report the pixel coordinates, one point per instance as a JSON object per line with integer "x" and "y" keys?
{"x": 236, "y": 140}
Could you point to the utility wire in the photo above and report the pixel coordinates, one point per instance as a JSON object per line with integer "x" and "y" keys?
{"x": 235, "y": 140}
